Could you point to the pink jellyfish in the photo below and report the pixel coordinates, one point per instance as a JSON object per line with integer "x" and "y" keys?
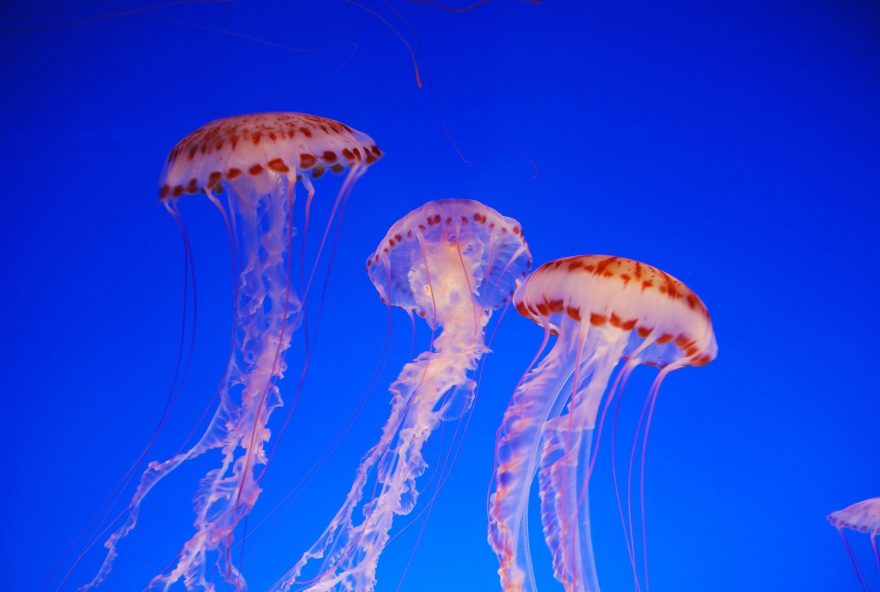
{"x": 602, "y": 310}
{"x": 257, "y": 160}
{"x": 862, "y": 516}
{"x": 451, "y": 262}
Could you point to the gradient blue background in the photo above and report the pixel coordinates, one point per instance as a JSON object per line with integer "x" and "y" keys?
{"x": 733, "y": 144}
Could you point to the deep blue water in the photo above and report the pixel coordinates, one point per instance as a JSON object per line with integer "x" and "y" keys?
{"x": 733, "y": 144}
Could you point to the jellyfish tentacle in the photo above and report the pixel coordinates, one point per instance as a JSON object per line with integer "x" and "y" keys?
{"x": 641, "y": 425}
{"x": 603, "y": 309}
{"x": 564, "y": 468}
{"x": 863, "y": 516}
{"x": 342, "y": 523}
{"x": 863, "y": 582}
{"x": 280, "y": 283}
{"x": 268, "y": 313}
{"x": 155, "y": 472}
{"x": 350, "y": 552}
{"x": 652, "y": 396}
{"x": 616, "y": 391}
{"x": 259, "y": 179}
{"x": 184, "y": 357}
{"x": 434, "y": 263}
{"x": 354, "y": 174}
{"x": 341, "y": 198}
{"x": 618, "y": 497}
{"x": 516, "y": 462}
{"x": 876, "y": 549}
{"x": 251, "y": 372}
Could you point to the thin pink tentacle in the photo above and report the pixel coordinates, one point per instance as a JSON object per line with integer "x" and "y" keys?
{"x": 652, "y": 396}
{"x": 616, "y": 388}
{"x": 442, "y": 472}
{"x": 283, "y": 506}
{"x": 863, "y": 582}
{"x": 876, "y": 550}
{"x": 629, "y": 473}
{"x": 352, "y": 545}
{"x": 629, "y": 545}
{"x": 342, "y": 195}
{"x": 181, "y": 370}
{"x": 544, "y": 342}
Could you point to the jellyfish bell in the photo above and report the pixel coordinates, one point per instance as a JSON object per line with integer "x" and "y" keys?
{"x": 448, "y": 260}
{"x": 253, "y": 152}
{"x": 864, "y": 517}
{"x": 603, "y": 310}
{"x": 451, "y": 262}
{"x": 257, "y": 161}
{"x": 659, "y": 320}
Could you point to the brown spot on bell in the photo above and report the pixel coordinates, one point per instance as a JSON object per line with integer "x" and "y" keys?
{"x": 307, "y": 161}
{"x": 278, "y": 165}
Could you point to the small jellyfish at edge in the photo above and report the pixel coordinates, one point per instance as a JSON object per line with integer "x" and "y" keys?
{"x": 863, "y": 516}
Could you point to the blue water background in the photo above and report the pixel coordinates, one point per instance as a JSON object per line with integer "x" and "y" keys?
{"x": 733, "y": 144}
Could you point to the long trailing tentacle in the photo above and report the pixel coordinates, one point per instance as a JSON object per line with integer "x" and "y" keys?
{"x": 863, "y": 581}
{"x": 338, "y": 539}
{"x": 262, "y": 334}
{"x": 350, "y": 551}
{"x": 275, "y": 515}
{"x": 341, "y": 198}
{"x": 334, "y": 536}
{"x": 516, "y": 462}
{"x": 876, "y": 549}
{"x": 266, "y": 318}
{"x": 436, "y": 386}
{"x": 615, "y": 391}
{"x": 564, "y": 469}
{"x": 652, "y": 396}
{"x": 618, "y": 498}
{"x": 184, "y": 357}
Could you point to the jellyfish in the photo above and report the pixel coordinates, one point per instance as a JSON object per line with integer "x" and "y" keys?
{"x": 863, "y": 516}
{"x": 602, "y": 310}
{"x": 451, "y": 262}
{"x": 257, "y": 161}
